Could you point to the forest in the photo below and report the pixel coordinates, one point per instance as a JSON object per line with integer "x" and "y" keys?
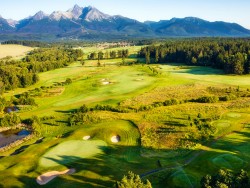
{"x": 230, "y": 55}
{"x": 24, "y": 72}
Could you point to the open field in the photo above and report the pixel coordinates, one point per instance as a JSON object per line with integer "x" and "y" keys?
{"x": 13, "y": 50}
{"x": 193, "y": 139}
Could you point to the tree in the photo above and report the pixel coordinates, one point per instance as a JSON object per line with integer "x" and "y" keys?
{"x": 82, "y": 62}
{"x": 107, "y": 55}
{"x": 147, "y": 56}
{"x": 132, "y": 180}
{"x": 156, "y": 55}
{"x": 113, "y": 54}
{"x": 225, "y": 179}
{"x": 68, "y": 81}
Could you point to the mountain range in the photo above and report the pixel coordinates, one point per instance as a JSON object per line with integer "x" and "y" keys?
{"x": 90, "y": 23}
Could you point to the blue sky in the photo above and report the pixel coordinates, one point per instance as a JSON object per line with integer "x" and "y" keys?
{"x": 142, "y": 10}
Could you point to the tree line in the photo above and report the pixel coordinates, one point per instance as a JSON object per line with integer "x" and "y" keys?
{"x": 24, "y": 72}
{"x": 108, "y": 54}
{"x": 26, "y": 43}
{"x": 230, "y": 55}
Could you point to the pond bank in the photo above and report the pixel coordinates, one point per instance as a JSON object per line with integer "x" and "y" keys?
{"x": 9, "y": 139}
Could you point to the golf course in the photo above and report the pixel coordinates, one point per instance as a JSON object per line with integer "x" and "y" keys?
{"x": 94, "y": 121}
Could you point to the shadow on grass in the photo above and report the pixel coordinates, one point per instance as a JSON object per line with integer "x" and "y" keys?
{"x": 104, "y": 169}
{"x": 19, "y": 150}
{"x": 66, "y": 111}
{"x": 174, "y": 123}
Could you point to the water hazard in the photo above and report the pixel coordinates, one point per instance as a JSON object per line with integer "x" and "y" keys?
{"x": 10, "y": 136}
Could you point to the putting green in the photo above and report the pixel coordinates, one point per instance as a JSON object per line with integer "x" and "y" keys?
{"x": 70, "y": 151}
{"x": 228, "y": 161}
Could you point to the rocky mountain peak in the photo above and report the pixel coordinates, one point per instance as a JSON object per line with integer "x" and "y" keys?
{"x": 76, "y": 11}
{"x": 93, "y": 14}
{"x": 39, "y": 15}
{"x": 12, "y": 23}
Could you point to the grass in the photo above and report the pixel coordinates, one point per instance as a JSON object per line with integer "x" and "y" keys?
{"x": 228, "y": 161}
{"x": 87, "y": 87}
{"x": 69, "y": 151}
{"x": 182, "y": 179}
{"x": 15, "y": 51}
{"x": 229, "y": 152}
{"x": 206, "y": 75}
{"x": 127, "y": 131}
{"x": 99, "y": 162}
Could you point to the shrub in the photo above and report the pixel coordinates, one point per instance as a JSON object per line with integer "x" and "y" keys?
{"x": 171, "y": 102}
{"x": 208, "y": 99}
{"x": 228, "y": 97}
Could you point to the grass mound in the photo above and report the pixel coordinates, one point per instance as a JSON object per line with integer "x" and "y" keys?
{"x": 184, "y": 180}
{"x": 233, "y": 115}
{"x": 70, "y": 151}
{"x": 222, "y": 124}
{"x": 228, "y": 161}
{"x": 129, "y": 134}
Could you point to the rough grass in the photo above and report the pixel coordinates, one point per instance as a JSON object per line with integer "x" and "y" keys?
{"x": 13, "y": 50}
{"x": 231, "y": 151}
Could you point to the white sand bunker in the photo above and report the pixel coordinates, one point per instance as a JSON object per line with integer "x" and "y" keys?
{"x": 105, "y": 83}
{"x": 139, "y": 79}
{"x": 115, "y": 139}
{"x": 86, "y": 137}
{"x": 48, "y": 176}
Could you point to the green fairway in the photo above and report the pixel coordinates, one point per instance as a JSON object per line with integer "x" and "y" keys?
{"x": 88, "y": 87}
{"x": 70, "y": 151}
{"x": 206, "y": 75}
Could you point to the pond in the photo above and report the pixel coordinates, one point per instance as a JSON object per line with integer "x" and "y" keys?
{"x": 7, "y": 137}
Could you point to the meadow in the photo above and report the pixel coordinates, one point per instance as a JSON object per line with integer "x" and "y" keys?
{"x": 15, "y": 51}
{"x": 170, "y": 144}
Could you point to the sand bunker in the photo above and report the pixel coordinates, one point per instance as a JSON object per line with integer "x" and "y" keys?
{"x": 138, "y": 79}
{"x": 48, "y": 176}
{"x": 115, "y": 139}
{"x": 105, "y": 83}
{"x": 86, "y": 137}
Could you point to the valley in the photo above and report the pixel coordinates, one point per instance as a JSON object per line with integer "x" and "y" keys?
{"x": 104, "y": 117}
